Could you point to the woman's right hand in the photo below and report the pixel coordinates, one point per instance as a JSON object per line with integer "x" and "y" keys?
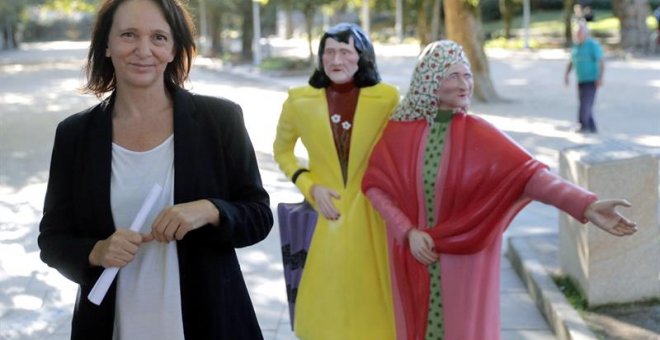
{"x": 323, "y": 197}
{"x": 422, "y": 246}
{"x": 117, "y": 250}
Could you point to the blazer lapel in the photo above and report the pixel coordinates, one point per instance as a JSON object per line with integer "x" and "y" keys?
{"x": 100, "y": 164}
{"x": 318, "y": 132}
{"x": 367, "y": 124}
{"x": 185, "y": 145}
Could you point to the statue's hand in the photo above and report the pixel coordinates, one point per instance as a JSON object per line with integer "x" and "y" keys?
{"x": 603, "y": 214}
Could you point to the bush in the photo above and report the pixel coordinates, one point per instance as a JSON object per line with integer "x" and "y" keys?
{"x": 490, "y": 10}
{"x": 285, "y": 64}
{"x": 559, "y": 4}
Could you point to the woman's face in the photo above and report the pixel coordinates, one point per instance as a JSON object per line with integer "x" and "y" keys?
{"x": 140, "y": 44}
{"x": 456, "y": 87}
{"x": 340, "y": 60}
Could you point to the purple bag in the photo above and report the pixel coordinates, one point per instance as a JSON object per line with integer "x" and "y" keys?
{"x": 297, "y": 222}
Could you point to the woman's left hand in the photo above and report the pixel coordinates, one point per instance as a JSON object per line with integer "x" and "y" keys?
{"x": 173, "y": 223}
{"x": 602, "y": 213}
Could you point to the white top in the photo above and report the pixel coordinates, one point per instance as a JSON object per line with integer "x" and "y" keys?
{"x": 148, "y": 303}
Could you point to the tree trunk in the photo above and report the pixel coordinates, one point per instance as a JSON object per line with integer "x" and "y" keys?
{"x": 568, "y": 15}
{"x": 463, "y": 26}
{"x": 246, "y": 27}
{"x": 422, "y": 23}
{"x": 398, "y": 25}
{"x": 9, "y": 36}
{"x": 4, "y": 43}
{"x": 506, "y": 10}
{"x": 632, "y": 22}
{"x": 215, "y": 27}
{"x": 309, "y": 26}
{"x": 288, "y": 22}
{"x": 365, "y": 17}
{"x": 435, "y": 20}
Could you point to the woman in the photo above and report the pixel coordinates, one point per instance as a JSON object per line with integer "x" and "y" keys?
{"x": 179, "y": 275}
{"x": 587, "y": 59}
{"x": 448, "y": 184}
{"x": 344, "y": 289}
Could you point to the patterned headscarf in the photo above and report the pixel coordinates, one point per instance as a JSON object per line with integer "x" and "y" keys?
{"x": 421, "y": 100}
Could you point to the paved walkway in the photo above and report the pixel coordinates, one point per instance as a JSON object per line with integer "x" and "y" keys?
{"x": 538, "y": 112}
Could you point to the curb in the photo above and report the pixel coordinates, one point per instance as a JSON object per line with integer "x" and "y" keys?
{"x": 562, "y": 318}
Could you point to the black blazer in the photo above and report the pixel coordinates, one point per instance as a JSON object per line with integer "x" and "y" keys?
{"x": 213, "y": 159}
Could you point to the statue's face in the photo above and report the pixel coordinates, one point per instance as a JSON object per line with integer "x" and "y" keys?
{"x": 456, "y": 87}
{"x": 340, "y": 60}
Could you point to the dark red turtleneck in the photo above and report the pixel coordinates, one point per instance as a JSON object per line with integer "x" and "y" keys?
{"x": 342, "y": 101}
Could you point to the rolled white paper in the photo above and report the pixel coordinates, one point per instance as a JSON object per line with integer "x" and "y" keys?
{"x": 101, "y": 286}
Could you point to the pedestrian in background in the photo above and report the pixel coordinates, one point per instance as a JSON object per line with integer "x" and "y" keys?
{"x": 587, "y": 59}
{"x": 180, "y": 277}
{"x": 448, "y": 184}
{"x": 344, "y": 290}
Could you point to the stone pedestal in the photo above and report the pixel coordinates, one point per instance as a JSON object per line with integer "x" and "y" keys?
{"x": 611, "y": 269}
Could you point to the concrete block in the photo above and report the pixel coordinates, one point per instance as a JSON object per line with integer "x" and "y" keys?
{"x": 611, "y": 269}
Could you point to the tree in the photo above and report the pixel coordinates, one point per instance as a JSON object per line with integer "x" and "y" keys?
{"x": 10, "y": 11}
{"x": 225, "y": 15}
{"x": 568, "y": 16}
{"x": 508, "y": 9}
{"x": 632, "y": 16}
{"x": 288, "y": 20}
{"x": 436, "y": 19}
{"x": 246, "y": 29}
{"x": 216, "y": 12}
{"x": 428, "y": 9}
{"x": 463, "y": 26}
{"x": 309, "y": 9}
{"x": 422, "y": 22}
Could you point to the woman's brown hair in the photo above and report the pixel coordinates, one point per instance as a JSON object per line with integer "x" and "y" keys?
{"x": 99, "y": 69}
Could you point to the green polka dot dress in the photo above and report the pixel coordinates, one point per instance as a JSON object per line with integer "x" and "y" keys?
{"x": 433, "y": 152}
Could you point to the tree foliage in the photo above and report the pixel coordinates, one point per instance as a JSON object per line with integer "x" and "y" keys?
{"x": 71, "y": 6}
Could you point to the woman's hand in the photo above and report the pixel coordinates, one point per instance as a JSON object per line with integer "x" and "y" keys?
{"x": 422, "y": 247}
{"x": 173, "y": 223}
{"x": 602, "y": 214}
{"x": 117, "y": 250}
{"x": 323, "y": 197}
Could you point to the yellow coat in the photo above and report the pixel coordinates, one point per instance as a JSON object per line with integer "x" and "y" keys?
{"x": 345, "y": 289}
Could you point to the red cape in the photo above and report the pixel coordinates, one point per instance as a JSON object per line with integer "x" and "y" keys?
{"x": 480, "y": 193}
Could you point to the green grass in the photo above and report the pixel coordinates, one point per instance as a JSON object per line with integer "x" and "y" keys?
{"x": 515, "y": 43}
{"x": 539, "y": 20}
{"x": 285, "y": 64}
{"x": 547, "y": 24}
{"x": 572, "y": 293}
{"x": 624, "y": 306}
{"x": 574, "y": 296}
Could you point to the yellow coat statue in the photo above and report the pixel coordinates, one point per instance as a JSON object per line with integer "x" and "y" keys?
{"x": 345, "y": 289}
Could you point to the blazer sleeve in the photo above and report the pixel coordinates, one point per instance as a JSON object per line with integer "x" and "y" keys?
{"x": 246, "y": 215}
{"x": 283, "y": 149}
{"x": 62, "y": 245}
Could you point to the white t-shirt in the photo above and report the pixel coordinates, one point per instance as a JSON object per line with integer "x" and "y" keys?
{"x": 148, "y": 303}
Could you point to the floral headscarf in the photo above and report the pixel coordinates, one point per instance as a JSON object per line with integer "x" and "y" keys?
{"x": 421, "y": 100}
